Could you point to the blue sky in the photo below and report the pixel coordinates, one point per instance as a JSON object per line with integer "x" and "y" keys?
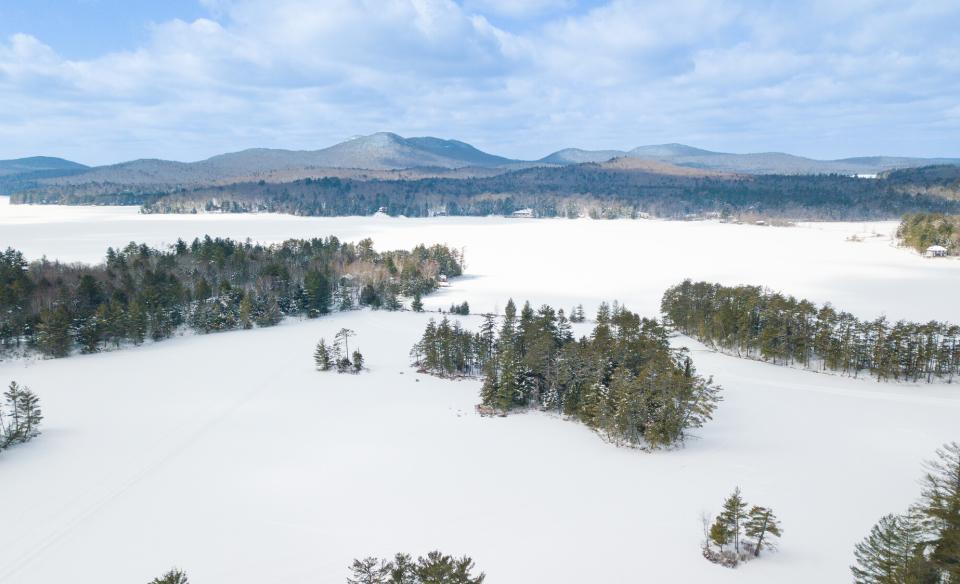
{"x": 102, "y": 81}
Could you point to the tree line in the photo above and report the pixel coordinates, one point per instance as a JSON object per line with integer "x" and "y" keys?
{"x": 568, "y": 191}
{"x": 755, "y": 322}
{"x": 623, "y": 380}
{"x": 922, "y": 545}
{"x": 922, "y": 230}
{"x": 210, "y": 285}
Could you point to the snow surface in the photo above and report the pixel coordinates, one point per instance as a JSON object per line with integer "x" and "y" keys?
{"x": 229, "y": 456}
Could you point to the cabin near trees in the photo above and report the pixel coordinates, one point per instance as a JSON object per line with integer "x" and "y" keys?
{"x": 932, "y": 234}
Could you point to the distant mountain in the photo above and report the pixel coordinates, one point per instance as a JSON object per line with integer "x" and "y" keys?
{"x": 376, "y": 152}
{"x": 385, "y": 156}
{"x": 578, "y": 156}
{"x": 38, "y": 164}
{"x": 754, "y": 163}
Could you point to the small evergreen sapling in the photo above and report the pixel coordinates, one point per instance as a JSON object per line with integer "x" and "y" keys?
{"x": 357, "y": 361}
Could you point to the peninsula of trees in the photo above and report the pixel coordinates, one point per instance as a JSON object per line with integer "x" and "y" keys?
{"x": 623, "y": 380}
{"x": 209, "y": 285}
{"x": 755, "y": 322}
{"x": 922, "y": 230}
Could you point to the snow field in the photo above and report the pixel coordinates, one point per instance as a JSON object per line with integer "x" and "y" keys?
{"x": 229, "y": 456}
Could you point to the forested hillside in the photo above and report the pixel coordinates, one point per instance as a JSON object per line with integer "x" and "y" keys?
{"x": 585, "y": 189}
{"x": 210, "y": 285}
{"x": 755, "y": 322}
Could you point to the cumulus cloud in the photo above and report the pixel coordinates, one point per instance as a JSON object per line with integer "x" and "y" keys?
{"x": 821, "y": 79}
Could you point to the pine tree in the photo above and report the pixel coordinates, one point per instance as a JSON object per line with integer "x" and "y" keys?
{"x": 720, "y": 533}
{"x": 761, "y": 526}
{"x": 321, "y": 357}
{"x": 733, "y": 515}
{"x": 357, "y": 361}
{"x": 137, "y": 322}
{"x": 883, "y": 556}
{"x": 369, "y": 571}
{"x": 246, "y": 311}
{"x": 343, "y": 338}
{"x": 20, "y": 415}
{"x": 53, "y": 332}
{"x": 417, "y": 304}
{"x": 172, "y": 577}
{"x": 940, "y": 508}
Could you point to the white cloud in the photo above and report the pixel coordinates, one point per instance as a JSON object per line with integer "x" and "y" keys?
{"x": 304, "y": 74}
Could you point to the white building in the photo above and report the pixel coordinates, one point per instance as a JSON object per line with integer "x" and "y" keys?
{"x": 936, "y": 251}
{"x": 522, "y": 213}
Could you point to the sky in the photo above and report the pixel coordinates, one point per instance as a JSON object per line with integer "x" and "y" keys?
{"x": 102, "y": 81}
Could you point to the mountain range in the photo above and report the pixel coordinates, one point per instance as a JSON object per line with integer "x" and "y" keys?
{"x": 384, "y": 155}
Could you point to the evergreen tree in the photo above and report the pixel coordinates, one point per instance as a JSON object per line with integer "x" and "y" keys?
{"x": 137, "y": 321}
{"x": 20, "y": 416}
{"x": 172, "y": 577}
{"x": 761, "y": 526}
{"x": 342, "y": 339}
{"x": 734, "y": 515}
{"x": 883, "y": 556}
{"x": 357, "y": 361}
{"x": 321, "y": 357}
{"x": 369, "y": 571}
{"x": 940, "y": 508}
{"x": 53, "y": 333}
{"x": 417, "y": 304}
{"x": 246, "y": 312}
{"x": 720, "y": 533}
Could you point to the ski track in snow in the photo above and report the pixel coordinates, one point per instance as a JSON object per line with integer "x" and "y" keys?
{"x": 229, "y": 456}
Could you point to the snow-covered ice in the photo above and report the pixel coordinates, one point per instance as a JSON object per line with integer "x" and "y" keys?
{"x": 229, "y": 456}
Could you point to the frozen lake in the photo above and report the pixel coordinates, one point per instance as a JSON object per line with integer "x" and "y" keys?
{"x": 228, "y": 456}
{"x": 630, "y": 261}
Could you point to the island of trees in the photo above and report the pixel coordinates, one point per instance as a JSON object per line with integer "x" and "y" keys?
{"x": 141, "y": 292}
{"x": 755, "y": 322}
{"x": 740, "y": 532}
{"x": 623, "y": 380}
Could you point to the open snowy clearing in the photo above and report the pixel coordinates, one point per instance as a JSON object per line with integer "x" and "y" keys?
{"x": 229, "y": 456}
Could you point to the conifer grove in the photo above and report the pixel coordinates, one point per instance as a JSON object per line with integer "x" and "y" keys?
{"x": 209, "y": 285}
{"x": 623, "y": 380}
{"x": 754, "y": 322}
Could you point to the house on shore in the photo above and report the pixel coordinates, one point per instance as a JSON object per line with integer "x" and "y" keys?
{"x": 522, "y": 213}
{"x": 935, "y": 251}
